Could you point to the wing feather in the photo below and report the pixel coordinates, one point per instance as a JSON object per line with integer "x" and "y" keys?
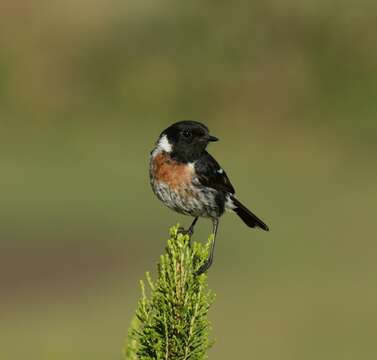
{"x": 210, "y": 174}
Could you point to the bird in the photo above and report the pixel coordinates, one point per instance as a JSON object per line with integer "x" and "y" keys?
{"x": 188, "y": 180}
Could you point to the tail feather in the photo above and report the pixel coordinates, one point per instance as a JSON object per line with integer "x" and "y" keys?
{"x": 247, "y": 216}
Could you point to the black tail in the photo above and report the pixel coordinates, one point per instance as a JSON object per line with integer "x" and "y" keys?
{"x": 247, "y": 216}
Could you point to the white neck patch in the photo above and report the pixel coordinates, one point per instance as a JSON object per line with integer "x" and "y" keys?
{"x": 164, "y": 144}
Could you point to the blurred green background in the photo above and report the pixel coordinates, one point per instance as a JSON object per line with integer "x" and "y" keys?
{"x": 289, "y": 87}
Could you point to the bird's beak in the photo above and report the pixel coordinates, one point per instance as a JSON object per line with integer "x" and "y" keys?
{"x": 212, "y": 138}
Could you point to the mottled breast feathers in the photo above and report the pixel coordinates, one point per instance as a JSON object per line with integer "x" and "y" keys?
{"x": 171, "y": 172}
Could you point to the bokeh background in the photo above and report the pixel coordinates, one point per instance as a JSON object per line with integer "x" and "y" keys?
{"x": 289, "y": 87}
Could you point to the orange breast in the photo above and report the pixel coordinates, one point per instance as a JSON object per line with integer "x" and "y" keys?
{"x": 174, "y": 174}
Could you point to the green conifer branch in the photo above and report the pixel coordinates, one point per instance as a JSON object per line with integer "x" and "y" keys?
{"x": 171, "y": 323}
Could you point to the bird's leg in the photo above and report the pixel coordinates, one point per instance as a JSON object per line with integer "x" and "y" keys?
{"x": 209, "y": 261}
{"x": 190, "y": 230}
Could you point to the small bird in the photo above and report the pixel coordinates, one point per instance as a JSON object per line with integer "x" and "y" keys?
{"x": 187, "y": 179}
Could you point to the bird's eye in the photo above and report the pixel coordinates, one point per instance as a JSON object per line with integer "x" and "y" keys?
{"x": 187, "y": 133}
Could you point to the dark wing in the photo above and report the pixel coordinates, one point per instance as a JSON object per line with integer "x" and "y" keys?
{"x": 210, "y": 173}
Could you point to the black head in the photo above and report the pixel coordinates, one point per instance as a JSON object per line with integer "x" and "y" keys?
{"x": 187, "y": 139}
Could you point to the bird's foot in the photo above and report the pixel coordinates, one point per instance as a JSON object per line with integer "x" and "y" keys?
{"x": 202, "y": 269}
{"x": 183, "y": 231}
{"x": 205, "y": 266}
